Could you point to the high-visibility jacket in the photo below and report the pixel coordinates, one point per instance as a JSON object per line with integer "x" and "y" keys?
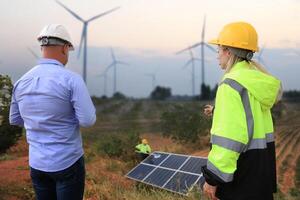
{"x": 241, "y": 162}
{"x": 143, "y": 148}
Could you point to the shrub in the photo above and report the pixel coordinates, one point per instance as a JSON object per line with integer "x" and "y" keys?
{"x": 120, "y": 145}
{"x": 9, "y": 135}
{"x": 161, "y": 93}
{"x": 184, "y": 124}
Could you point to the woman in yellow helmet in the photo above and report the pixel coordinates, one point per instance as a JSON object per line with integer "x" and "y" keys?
{"x": 241, "y": 162}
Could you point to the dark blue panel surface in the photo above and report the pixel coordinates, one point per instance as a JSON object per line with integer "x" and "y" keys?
{"x": 140, "y": 172}
{"x": 181, "y": 182}
{"x": 174, "y": 161}
{"x": 155, "y": 158}
{"x": 159, "y": 177}
{"x": 194, "y": 165}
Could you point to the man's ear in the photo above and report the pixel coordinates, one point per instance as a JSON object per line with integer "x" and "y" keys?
{"x": 65, "y": 49}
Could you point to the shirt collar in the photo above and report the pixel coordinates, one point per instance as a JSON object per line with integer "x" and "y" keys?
{"x": 49, "y": 61}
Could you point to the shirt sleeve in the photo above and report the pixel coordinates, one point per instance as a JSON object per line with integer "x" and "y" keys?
{"x": 84, "y": 108}
{"x": 14, "y": 113}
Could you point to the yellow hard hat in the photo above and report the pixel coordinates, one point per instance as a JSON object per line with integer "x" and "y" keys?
{"x": 239, "y": 35}
{"x": 144, "y": 141}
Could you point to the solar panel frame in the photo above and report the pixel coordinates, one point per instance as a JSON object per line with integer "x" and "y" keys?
{"x": 169, "y": 169}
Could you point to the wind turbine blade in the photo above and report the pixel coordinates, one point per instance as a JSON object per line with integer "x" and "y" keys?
{"x": 81, "y": 40}
{"x": 210, "y": 47}
{"x": 122, "y": 63}
{"x": 33, "y": 53}
{"x": 188, "y": 48}
{"x": 105, "y": 13}
{"x": 187, "y": 63}
{"x": 70, "y": 11}
{"x": 197, "y": 59}
{"x": 203, "y": 29}
{"x": 259, "y": 57}
{"x": 109, "y": 66}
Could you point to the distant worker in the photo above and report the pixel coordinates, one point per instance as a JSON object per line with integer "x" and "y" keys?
{"x": 241, "y": 162}
{"x": 208, "y": 110}
{"x": 52, "y": 103}
{"x": 143, "y": 150}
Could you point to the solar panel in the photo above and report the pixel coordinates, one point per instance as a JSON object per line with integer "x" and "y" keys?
{"x": 173, "y": 172}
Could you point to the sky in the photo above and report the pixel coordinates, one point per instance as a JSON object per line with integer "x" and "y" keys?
{"x": 146, "y": 34}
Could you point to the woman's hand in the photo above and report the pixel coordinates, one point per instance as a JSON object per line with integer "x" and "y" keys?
{"x": 210, "y": 191}
{"x": 208, "y": 110}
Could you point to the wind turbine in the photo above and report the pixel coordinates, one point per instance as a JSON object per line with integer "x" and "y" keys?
{"x": 33, "y": 53}
{"x": 192, "y": 62}
{"x": 84, "y": 33}
{"x": 114, "y": 64}
{"x": 153, "y": 77}
{"x": 104, "y": 75}
{"x": 203, "y": 44}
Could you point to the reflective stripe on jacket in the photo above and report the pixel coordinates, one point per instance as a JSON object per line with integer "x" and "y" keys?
{"x": 242, "y": 158}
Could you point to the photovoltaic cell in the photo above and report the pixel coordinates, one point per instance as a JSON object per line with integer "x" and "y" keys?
{"x": 155, "y": 158}
{"x": 194, "y": 165}
{"x": 172, "y": 172}
{"x": 140, "y": 172}
{"x": 174, "y": 161}
{"x": 181, "y": 182}
{"x": 159, "y": 176}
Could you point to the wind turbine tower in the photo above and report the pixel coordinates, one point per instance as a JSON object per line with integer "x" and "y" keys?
{"x": 83, "y": 40}
{"x": 104, "y": 76}
{"x": 153, "y": 77}
{"x": 191, "y": 62}
{"x": 114, "y": 64}
{"x": 203, "y": 44}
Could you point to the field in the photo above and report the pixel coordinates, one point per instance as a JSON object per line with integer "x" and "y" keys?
{"x": 105, "y": 175}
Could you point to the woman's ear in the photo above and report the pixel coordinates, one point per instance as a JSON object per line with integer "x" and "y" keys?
{"x": 228, "y": 53}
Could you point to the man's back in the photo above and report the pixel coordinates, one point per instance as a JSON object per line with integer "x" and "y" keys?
{"x": 53, "y": 102}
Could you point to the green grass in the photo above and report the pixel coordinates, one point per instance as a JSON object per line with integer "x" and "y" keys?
{"x": 6, "y": 157}
{"x": 20, "y": 192}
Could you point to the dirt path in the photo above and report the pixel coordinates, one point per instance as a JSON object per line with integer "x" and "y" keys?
{"x": 14, "y": 171}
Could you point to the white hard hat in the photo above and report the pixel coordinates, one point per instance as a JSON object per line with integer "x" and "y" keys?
{"x": 55, "y": 31}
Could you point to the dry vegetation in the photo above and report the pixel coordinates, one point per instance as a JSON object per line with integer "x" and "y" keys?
{"x": 105, "y": 175}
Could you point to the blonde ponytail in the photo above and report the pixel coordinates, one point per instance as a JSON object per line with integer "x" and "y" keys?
{"x": 258, "y": 66}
